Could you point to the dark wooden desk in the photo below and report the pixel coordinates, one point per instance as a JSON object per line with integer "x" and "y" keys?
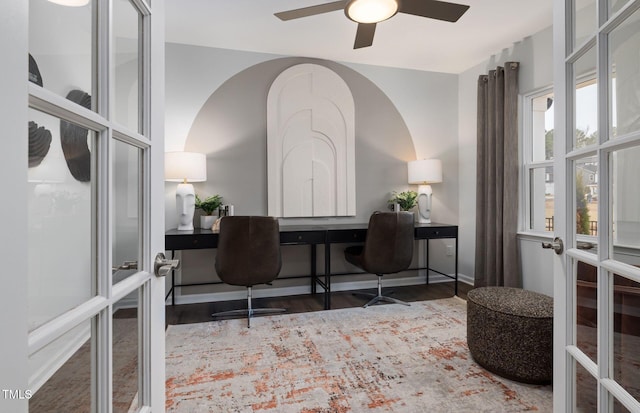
{"x": 313, "y": 235}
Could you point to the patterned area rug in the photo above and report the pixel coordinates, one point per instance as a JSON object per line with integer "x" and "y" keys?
{"x": 387, "y": 358}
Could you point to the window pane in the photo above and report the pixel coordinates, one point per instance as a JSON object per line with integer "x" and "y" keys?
{"x": 624, "y": 78}
{"x": 586, "y": 103}
{"x": 625, "y": 170}
{"x": 127, "y": 61}
{"x": 61, "y": 373}
{"x": 62, "y": 49}
{"x": 586, "y": 309}
{"x": 615, "y": 5}
{"x": 126, "y": 205}
{"x": 619, "y": 407}
{"x": 584, "y": 12}
{"x": 61, "y": 270}
{"x": 126, "y": 347}
{"x": 626, "y": 337}
{"x": 542, "y": 128}
{"x": 541, "y": 198}
{"x": 586, "y": 391}
{"x": 586, "y": 200}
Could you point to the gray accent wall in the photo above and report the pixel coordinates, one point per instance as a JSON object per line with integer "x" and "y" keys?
{"x": 217, "y": 98}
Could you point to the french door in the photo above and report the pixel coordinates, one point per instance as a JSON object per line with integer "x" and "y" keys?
{"x": 83, "y": 105}
{"x": 597, "y": 166}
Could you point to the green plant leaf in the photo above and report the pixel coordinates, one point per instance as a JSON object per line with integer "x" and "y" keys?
{"x": 406, "y": 200}
{"x": 209, "y": 205}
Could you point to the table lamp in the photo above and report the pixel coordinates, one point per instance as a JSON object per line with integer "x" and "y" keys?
{"x": 424, "y": 172}
{"x": 185, "y": 167}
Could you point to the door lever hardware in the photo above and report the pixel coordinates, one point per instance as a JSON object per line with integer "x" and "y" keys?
{"x": 557, "y": 245}
{"x": 127, "y": 265}
{"x": 162, "y": 266}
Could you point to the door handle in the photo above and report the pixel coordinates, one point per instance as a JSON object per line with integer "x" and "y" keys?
{"x": 127, "y": 265}
{"x": 162, "y": 266}
{"x": 557, "y": 245}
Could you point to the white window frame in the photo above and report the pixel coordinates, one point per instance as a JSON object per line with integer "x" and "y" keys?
{"x": 527, "y": 163}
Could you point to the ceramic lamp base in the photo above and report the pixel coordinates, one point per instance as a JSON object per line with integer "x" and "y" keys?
{"x": 424, "y": 204}
{"x": 185, "y": 206}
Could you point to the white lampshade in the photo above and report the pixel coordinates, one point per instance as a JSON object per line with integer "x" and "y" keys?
{"x": 425, "y": 171}
{"x": 371, "y": 11}
{"x": 185, "y": 167}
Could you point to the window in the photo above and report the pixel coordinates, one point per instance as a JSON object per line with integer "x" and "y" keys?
{"x": 538, "y": 162}
{"x": 537, "y": 159}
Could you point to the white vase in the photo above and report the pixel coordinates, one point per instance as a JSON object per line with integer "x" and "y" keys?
{"x": 206, "y": 221}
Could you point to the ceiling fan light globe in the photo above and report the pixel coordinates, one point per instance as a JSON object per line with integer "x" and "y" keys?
{"x": 71, "y": 3}
{"x": 371, "y": 11}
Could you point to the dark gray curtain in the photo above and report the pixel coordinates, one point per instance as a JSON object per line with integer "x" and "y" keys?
{"x": 497, "y": 261}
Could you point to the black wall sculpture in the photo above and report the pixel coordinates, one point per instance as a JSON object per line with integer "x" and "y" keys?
{"x": 73, "y": 139}
{"x": 39, "y": 143}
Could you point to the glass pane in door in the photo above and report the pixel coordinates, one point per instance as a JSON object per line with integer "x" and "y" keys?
{"x": 126, "y": 348}
{"x": 625, "y": 198}
{"x": 126, "y": 210}
{"x": 127, "y": 64}
{"x": 624, "y": 78}
{"x": 586, "y": 101}
{"x": 586, "y": 202}
{"x": 626, "y": 334}
{"x": 61, "y": 265}
{"x": 615, "y": 5}
{"x": 586, "y": 311}
{"x": 61, "y": 373}
{"x": 62, "y": 50}
{"x": 586, "y": 391}
{"x": 585, "y": 21}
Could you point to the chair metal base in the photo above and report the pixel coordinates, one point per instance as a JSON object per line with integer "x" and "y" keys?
{"x": 379, "y": 297}
{"x": 249, "y": 311}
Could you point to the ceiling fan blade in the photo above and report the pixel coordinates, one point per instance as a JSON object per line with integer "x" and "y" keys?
{"x": 440, "y": 10}
{"x": 311, "y": 10}
{"x": 364, "y": 35}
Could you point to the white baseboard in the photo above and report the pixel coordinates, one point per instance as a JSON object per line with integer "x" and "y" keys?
{"x": 305, "y": 289}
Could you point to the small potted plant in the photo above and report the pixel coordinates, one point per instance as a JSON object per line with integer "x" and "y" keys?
{"x": 209, "y": 207}
{"x": 405, "y": 200}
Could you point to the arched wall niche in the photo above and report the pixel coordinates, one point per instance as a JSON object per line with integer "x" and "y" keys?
{"x": 231, "y": 129}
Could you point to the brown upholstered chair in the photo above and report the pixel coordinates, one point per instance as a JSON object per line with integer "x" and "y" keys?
{"x": 388, "y": 248}
{"x": 248, "y": 254}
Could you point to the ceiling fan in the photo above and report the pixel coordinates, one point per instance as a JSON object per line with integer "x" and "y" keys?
{"x": 367, "y": 13}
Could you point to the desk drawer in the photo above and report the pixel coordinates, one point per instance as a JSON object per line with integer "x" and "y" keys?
{"x": 436, "y": 232}
{"x": 347, "y": 235}
{"x": 191, "y": 241}
{"x": 302, "y": 237}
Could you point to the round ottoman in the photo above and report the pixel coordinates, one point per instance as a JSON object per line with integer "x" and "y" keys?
{"x": 510, "y": 333}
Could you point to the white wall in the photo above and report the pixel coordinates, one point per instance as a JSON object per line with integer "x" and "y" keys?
{"x": 535, "y": 54}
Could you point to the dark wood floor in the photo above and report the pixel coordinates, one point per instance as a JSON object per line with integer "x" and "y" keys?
{"x": 198, "y": 313}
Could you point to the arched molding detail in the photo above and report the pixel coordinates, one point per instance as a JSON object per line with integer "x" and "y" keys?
{"x": 310, "y": 144}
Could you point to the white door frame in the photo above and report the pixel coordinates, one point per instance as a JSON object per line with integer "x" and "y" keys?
{"x": 561, "y": 300}
{"x": 17, "y": 342}
{"x": 13, "y": 163}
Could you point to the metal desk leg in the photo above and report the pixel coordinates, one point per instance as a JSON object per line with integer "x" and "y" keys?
{"x": 173, "y": 281}
{"x": 327, "y": 276}
{"x": 314, "y": 276}
{"x": 456, "y": 268}
{"x": 426, "y": 241}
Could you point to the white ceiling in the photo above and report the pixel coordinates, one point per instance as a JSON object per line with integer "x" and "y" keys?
{"x": 406, "y": 41}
